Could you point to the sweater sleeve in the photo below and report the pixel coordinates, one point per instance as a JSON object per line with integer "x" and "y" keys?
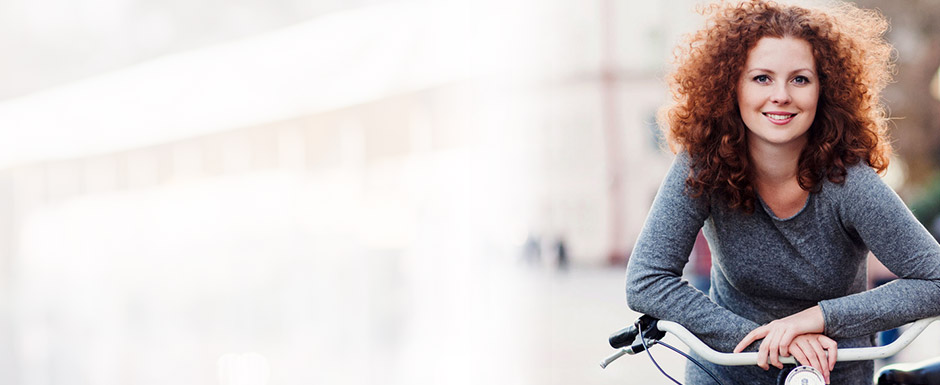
{"x": 654, "y": 273}
{"x": 874, "y": 212}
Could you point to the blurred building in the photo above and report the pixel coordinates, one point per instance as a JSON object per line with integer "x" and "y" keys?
{"x": 399, "y": 146}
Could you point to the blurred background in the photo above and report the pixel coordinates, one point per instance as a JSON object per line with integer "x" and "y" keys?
{"x": 351, "y": 192}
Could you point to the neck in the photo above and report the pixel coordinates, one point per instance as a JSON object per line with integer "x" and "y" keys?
{"x": 775, "y": 164}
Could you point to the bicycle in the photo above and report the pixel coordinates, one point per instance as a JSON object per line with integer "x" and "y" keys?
{"x": 651, "y": 331}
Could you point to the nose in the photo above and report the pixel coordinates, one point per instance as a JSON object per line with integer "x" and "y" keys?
{"x": 780, "y": 95}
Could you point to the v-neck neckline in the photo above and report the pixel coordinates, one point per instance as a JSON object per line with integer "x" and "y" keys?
{"x": 774, "y": 215}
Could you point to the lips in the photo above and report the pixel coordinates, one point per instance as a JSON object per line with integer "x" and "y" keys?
{"x": 779, "y": 117}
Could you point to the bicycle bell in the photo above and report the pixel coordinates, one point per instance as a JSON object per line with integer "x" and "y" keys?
{"x": 805, "y": 375}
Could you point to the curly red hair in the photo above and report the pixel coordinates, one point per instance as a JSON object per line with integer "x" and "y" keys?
{"x": 854, "y": 63}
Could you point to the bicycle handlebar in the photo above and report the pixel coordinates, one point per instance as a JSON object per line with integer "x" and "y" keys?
{"x": 750, "y": 358}
{"x": 623, "y": 337}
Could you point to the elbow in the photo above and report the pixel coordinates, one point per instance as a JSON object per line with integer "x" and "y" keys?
{"x": 647, "y": 290}
{"x": 637, "y": 294}
{"x": 635, "y": 302}
{"x": 647, "y": 285}
{"x": 640, "y": 302}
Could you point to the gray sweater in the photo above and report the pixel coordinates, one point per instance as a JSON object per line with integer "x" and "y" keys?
{"x": 765, "y": 268}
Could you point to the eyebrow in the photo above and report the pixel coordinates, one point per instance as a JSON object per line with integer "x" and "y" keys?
{"x": 792, "y": 72}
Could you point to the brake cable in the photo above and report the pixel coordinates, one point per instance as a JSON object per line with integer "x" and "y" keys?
{"x": 639, "y": 327}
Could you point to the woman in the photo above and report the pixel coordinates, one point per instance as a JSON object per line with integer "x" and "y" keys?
{"x": 780, "y": 138}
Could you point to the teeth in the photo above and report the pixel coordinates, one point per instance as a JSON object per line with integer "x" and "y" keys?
{"x": 779, "y": 117}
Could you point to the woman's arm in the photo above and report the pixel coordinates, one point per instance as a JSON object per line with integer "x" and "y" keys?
{"x": 872, "y": 210}
{"x": 654, "y": 274}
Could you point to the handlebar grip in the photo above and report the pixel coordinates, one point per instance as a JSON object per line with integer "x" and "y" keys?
{"x": 623, "y": 337}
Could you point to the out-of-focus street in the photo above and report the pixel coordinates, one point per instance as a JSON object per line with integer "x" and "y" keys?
{"x": 526, "y": 325}
{"x": 572, "y": 315}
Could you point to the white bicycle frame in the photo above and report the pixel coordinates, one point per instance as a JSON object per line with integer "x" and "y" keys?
{"x": 750, "y": 358}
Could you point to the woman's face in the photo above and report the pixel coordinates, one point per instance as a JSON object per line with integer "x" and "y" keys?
{"x": 778, "y": 92}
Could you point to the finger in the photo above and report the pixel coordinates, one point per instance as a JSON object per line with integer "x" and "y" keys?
{"x": 814, "y": 353}
{"x": 785, "y": 340}
{"x": 754, "y": 335}
{"x": 775, "y": 350}
{"x": 799, "y": 356}
{"x": 823, "y": 363}
{"x": 747, "y": 340}
{"x": 762, "y": 352}
{"x": 832, "y": 347}
{"x": 766, "y": 347}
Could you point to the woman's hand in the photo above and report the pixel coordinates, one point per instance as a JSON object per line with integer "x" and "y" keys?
{"x": 779, "y": 334}
{"x": 812, "y": 349}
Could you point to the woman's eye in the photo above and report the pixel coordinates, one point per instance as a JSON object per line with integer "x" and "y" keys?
{"x": 801, "y": 80}
{"x": 762, "y": 78}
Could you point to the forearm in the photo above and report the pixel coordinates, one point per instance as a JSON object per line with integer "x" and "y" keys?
{"x": 668, "y": 297}
{"x": 883, "y": 308}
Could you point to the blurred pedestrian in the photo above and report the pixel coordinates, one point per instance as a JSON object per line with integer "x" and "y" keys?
{"x": 561, "y": 254}
{"x": 532, "y": 250}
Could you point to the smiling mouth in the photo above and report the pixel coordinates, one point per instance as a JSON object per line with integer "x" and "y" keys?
{"x": 778, "y": 116}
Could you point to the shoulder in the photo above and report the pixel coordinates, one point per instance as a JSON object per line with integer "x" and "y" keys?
{"x": 674, "y": 192}
{"x": 678, "y": 173}
{"x": 675, "y": 189}
{"x": 858, "y": 177}
{"x": 862, "y": 184}
{"x": 683, "y": 159}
